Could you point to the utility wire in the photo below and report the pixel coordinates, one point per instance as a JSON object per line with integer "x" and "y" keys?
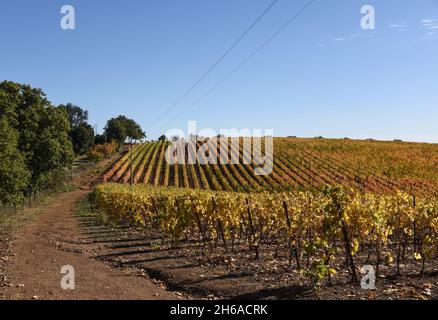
{"x": 255, "y": 52}
{"x": 212, "y": 67}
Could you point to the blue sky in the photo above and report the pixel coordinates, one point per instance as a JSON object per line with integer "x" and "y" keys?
{"x": 322, "y": 76}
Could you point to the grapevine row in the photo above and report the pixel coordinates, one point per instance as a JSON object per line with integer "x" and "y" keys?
{"x": 296, "y": 165}
{"x": 316, "y": 229}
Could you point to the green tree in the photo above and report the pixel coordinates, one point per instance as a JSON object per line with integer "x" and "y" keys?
{"x": 82, "y": 133}
{"x": 122, "y": 128}
{"x": 82, "y": 138}
{"x": 14, "y": 175}
{"x": 99, "y": 139}
{"x": 76, "y": 114}
{"x": 42, "y": 131}
{"x": 115, "y": 130}
{"x": 133, "y": 130}
{"x": 53, "y": 151}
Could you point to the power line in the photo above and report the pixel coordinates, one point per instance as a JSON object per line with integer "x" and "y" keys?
{"x": 213, "y": 66}
{"x": 255, "y": 52}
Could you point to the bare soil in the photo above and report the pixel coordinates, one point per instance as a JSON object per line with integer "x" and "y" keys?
{"x": 188, "y": 267}
{"x": 32, "y": 257}
{"x": 40, "y": 249}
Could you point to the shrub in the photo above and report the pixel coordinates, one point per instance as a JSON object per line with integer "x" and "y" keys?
{"x": 100, "y": 151}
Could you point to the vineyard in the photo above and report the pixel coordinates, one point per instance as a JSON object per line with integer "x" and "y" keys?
{"x": 319, "y": 233}
{"x": 303, "y": 164}
{"x": 328, "y": 208}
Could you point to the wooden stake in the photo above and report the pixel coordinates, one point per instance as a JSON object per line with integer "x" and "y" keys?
{"x": 252, "y": 230}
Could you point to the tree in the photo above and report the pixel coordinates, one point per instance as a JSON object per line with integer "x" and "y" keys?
{"x": 42, "y": 131}
{"x": 53, "y": 151}
{"x": 162, "y": 138}
{"x": 76, "y": 114}
{"x": 99, "y": 139}
{"x": 82, "y": 133}
{"x": 121, "y": 128}
{"x": 115, "y": 130}
{"x": 14, "y": 175}
{"x": 133, "y": 130}
{"x": 82, "y": 137}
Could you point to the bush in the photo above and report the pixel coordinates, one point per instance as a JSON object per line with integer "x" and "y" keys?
{"x": 100, "y": 151}
{"x": 94, "y": 155}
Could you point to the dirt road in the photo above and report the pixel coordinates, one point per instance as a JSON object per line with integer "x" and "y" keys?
{"x": 53, "y": 240}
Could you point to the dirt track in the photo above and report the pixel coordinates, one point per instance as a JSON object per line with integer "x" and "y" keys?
{"x": 53, "y": 240}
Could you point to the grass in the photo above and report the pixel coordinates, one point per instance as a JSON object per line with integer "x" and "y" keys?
{"x": 84, "y": 210}
{"x": 11, "y": 220}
